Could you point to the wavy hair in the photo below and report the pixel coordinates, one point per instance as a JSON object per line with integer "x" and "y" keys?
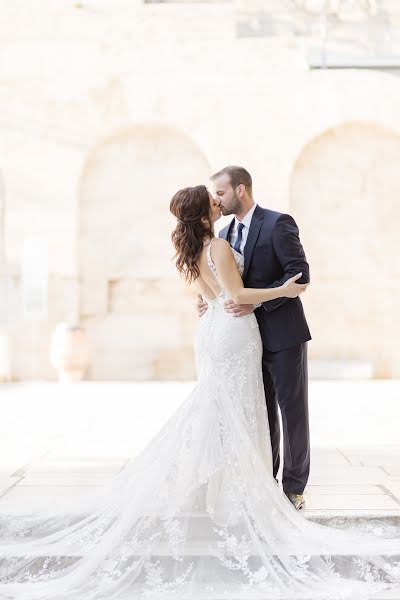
{"x": 190, "y": 206}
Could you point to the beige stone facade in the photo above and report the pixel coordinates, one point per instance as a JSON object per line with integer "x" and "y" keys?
{"x": 107, "y": 108}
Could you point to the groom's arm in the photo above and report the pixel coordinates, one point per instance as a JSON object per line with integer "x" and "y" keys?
{"x": 290, "y": 253}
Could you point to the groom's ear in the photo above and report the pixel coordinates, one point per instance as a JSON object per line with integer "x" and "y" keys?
{"x": 241, "y": 190}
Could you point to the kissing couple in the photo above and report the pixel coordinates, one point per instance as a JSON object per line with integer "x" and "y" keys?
{"x": 198, "y": 514}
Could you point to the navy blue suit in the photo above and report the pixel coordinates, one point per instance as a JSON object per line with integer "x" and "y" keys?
{"x": 273, "y": 253}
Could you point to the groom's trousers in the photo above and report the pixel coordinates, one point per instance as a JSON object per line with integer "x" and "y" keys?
{"x": 286, "y": 386}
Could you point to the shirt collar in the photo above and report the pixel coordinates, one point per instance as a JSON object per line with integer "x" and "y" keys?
{"x": 247, "y": 218}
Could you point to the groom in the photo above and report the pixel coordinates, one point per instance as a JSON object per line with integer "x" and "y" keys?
{"x": 272, "y": 252}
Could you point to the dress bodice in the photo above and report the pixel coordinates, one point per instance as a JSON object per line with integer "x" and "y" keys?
{"x": 239, "y": 260}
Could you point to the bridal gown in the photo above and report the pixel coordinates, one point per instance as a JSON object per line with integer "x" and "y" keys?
{"x": 198, "y": 515}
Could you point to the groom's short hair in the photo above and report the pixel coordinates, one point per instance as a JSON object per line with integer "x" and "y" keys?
{"x": 237, "y": 175}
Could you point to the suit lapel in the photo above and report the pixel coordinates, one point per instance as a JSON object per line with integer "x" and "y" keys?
{"x": 254, "y": 230}
{"x": 226, "y": 231}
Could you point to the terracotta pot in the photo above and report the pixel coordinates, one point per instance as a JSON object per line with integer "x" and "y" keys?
{"x": 69, "y": 352}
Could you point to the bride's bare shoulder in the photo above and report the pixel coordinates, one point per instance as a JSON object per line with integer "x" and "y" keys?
{"x": 220, "y": 248}
{"x": 220, "y": 243}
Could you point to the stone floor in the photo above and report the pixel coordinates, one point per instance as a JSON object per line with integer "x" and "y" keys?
{"x": 59, "y": 442}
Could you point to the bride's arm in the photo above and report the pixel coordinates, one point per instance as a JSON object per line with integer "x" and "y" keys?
{"x": 230, "y": 277}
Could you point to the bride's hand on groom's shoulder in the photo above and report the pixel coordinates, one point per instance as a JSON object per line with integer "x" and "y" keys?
{"x": 201, "y": 305}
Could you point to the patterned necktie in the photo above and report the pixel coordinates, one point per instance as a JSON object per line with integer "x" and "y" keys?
{"x": 239, "y": 238}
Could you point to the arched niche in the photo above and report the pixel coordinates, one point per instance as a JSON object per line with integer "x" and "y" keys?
{"x": 139, "y": 314}
{"x": 343, "y": 193}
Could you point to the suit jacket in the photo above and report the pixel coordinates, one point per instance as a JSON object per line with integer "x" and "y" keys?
{"x": 273, "y": 253}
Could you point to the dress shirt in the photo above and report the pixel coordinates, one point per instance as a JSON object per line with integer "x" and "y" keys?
{"x": 246, "y": 221}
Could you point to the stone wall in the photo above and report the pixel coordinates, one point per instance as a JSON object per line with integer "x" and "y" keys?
{"x": 109, "y": 107}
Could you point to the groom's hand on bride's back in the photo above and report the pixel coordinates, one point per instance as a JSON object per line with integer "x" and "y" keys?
{"x": 201, "y": 305}
{"x": 238, "y": 310}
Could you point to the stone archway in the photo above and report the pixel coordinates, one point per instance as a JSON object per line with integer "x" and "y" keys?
{"x": 343, "y": 195}
{"x": 139, "y": 315}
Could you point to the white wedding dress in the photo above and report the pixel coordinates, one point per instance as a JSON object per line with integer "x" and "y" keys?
{"x": 198, "y": 515}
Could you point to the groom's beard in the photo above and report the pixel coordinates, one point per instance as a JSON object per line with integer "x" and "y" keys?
{"x": 233, "y": 207}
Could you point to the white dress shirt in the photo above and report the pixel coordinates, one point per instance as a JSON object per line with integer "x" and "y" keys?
{"x": 246, "y": 221}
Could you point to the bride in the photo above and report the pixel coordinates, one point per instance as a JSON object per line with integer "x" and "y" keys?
{"x": 198, "y": 515}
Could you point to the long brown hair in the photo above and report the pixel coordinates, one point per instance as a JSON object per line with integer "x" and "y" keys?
{"x": 190, "y": 206}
